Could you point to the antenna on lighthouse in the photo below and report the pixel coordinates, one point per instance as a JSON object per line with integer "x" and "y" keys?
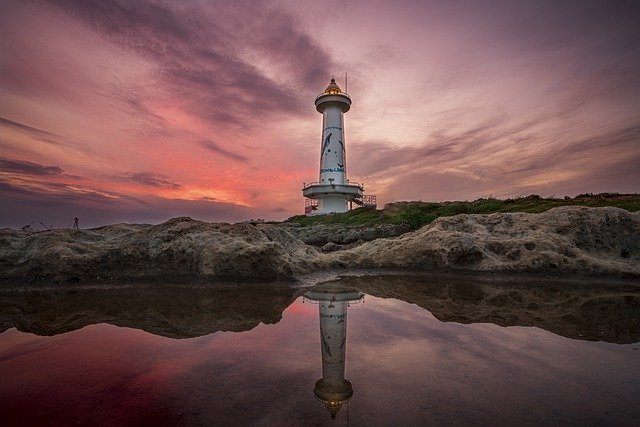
{"x": 346, "y": 86}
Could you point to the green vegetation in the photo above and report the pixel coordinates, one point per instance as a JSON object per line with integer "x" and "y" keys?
{"x": 360, "y": 216}
{"x": 417, "y": 214}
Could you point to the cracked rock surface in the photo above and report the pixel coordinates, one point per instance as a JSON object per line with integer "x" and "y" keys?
{"x": 567, "y": 239}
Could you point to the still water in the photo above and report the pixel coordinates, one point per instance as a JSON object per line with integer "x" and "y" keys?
{"x": 367, "y": 351}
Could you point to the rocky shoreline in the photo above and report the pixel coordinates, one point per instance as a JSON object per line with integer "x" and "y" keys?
{"x": 566, "y": 241}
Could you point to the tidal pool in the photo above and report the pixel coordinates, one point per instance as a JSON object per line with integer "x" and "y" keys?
{"x": 367, "y": 351}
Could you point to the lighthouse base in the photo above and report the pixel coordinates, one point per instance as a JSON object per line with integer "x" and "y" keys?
{"x": 331, "y": 204}
{"x": 332, "y": 198}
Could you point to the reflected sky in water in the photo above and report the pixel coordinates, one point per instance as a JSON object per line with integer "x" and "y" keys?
{"x": 405, "y": 367}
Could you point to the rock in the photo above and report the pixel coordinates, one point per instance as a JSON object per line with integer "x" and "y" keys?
{"x": 180, "y": 247}
{"x": 566, "y": 239}
{"x": 321, "y": 234}
{"x": 569, "y": 239}
{"x": 331, "y": 247}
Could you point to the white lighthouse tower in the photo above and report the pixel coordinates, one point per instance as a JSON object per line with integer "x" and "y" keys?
{"x": 333, "y": 389}
{"x": 333, "y": 191}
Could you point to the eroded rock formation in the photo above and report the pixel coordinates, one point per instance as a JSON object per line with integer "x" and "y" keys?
{"x": 566, "y": 240}
{"x": 180, "y": 247}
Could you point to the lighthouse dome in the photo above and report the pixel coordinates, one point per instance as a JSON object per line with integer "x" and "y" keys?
{"x": 333, "y": 88}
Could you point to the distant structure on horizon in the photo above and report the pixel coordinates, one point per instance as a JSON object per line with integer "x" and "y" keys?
{"x": 333, "y": 192}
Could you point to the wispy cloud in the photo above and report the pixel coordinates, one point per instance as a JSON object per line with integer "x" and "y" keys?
{"x": 212, "y": 146}
{"x": 30, "y": 168}
{"x": 36, "y": 133}
{"x": 150, "y": 179}
{"x": 565, "y": 168}
{"x": 202, "y": 56}
{"x": 55, "y": 192}
{"x": 26, "y": 128}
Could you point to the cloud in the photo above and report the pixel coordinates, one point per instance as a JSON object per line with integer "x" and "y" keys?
{"x": 205, "y": 53}
{"x": 212, "y": 146}
{"x": 23, "y": 167}
{"x": 37, "y": 133}
{"x": 29, "y": 168}
{"x": 23, "y": 127}
{"x": 150, "y": 179}
{"x": 20, "y": 187}
{"x": 384, "y": 158}
{"x": 435, "y": 186}
{"x": 58, "y": 204}
{"x": 568, "y": 167}
{"x": 606, "y": 147}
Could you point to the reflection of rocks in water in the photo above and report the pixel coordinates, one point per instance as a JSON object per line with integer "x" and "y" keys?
{"x": 333, "y": 301}
{"x": 588, "y": 311}
{"x": 167, "y": 311}
{"x": 607, "y": 312}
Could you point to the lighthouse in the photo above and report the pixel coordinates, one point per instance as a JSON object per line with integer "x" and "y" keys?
{"x": 333, "y": 192}
{"x": 333, "y": 300}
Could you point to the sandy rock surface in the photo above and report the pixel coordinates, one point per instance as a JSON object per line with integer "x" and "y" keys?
{"x": 178, "y": 247}
{"x": 566, "y": 239}
{"x": 337, "y": 234}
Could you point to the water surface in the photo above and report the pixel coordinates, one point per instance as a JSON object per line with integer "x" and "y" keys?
{"x": 174, "y": 356}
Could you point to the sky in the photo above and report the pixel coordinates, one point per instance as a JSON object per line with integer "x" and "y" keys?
{"x": 140, "y": 111}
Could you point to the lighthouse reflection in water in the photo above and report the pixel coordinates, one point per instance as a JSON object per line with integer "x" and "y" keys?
{"x": 333, "y": 301}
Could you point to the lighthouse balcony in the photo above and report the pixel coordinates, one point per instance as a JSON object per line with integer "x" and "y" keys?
{"x": 334, "y": 96}
{"x": 341, "y": 100}
{"x": 349, "y": 190}
{"x": 338, "y": 293}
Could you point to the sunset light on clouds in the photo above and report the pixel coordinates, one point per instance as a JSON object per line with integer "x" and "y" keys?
{"x": 139, "y": 111}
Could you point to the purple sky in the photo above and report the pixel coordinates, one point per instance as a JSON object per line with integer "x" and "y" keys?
{"x": 139, "y": 111}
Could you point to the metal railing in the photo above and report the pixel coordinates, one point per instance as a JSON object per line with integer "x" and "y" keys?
{"x": 333, "y": 94}
{"x": 370, "y": 201}
{"x": 333, "y": 184}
